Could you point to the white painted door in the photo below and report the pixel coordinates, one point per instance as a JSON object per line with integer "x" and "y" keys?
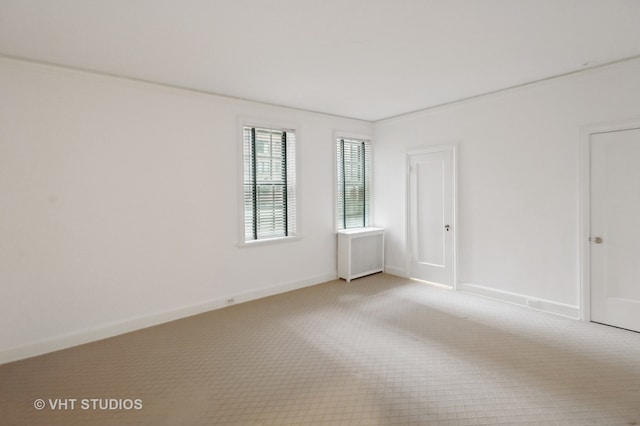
{"x": 615, "y": 228}
{"x": 431, "y": 214}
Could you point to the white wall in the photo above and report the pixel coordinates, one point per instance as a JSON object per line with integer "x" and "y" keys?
{"x": 119, "y": 199}
{"x": 518, "y": 171}
{"x": 119, "y": 206}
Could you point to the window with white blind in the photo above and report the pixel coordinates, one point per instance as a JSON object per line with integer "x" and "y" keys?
{"x": 354, "y": 183}
{"x": 269, "y": 183}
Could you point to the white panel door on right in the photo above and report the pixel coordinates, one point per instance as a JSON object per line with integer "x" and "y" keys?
{"x": 431, "y": 212}
{"x": 615, "y": 228}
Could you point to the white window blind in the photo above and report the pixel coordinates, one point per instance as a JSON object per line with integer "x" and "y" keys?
{"x": 269, "y": 183}
{"x": 354, "y": 183}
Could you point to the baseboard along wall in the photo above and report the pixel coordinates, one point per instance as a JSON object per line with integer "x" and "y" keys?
{"x": 110, "y": 330}
{"x": 105, "y": 331}
{"x": 569, "y": 311}
{"x": 565, "y": 310}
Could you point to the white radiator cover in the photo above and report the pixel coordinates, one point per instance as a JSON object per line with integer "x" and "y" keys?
{"x": 360, "y": 252}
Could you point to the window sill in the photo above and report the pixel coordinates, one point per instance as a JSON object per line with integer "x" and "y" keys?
{"x": 269, "y": 241}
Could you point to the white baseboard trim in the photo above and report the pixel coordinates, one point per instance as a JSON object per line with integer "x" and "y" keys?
{"x": 569, "y": 311}
{"x": 105, "y": 331}
{"x": 394, "y": 270}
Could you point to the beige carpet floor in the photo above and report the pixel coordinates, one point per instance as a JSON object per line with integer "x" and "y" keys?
{"x": 379, "y": 351}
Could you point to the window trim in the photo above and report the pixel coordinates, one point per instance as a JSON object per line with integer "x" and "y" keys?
{"x": 243, "y": 122}
{"x": 357, "y": 136}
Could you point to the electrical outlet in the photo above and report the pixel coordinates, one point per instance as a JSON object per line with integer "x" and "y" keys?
{"x": 230, "y": 301}
{"x": 534, "y": 304}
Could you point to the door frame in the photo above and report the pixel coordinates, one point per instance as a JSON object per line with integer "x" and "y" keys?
{"x": 585, "y": 204}
{"x": 453, "y": 148}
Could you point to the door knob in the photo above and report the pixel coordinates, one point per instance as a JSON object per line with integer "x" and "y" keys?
{"x": 597, "y": 240}
{"x": 446, "y": 228}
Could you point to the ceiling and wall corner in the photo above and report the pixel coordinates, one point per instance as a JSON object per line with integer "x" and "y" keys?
{"x": 358, "y": 58}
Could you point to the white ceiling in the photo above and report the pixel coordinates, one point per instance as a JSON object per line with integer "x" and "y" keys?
{"x": 367, "y": 59}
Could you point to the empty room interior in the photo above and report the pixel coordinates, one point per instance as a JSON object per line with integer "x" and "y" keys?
{"x": 355, "y": 212}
